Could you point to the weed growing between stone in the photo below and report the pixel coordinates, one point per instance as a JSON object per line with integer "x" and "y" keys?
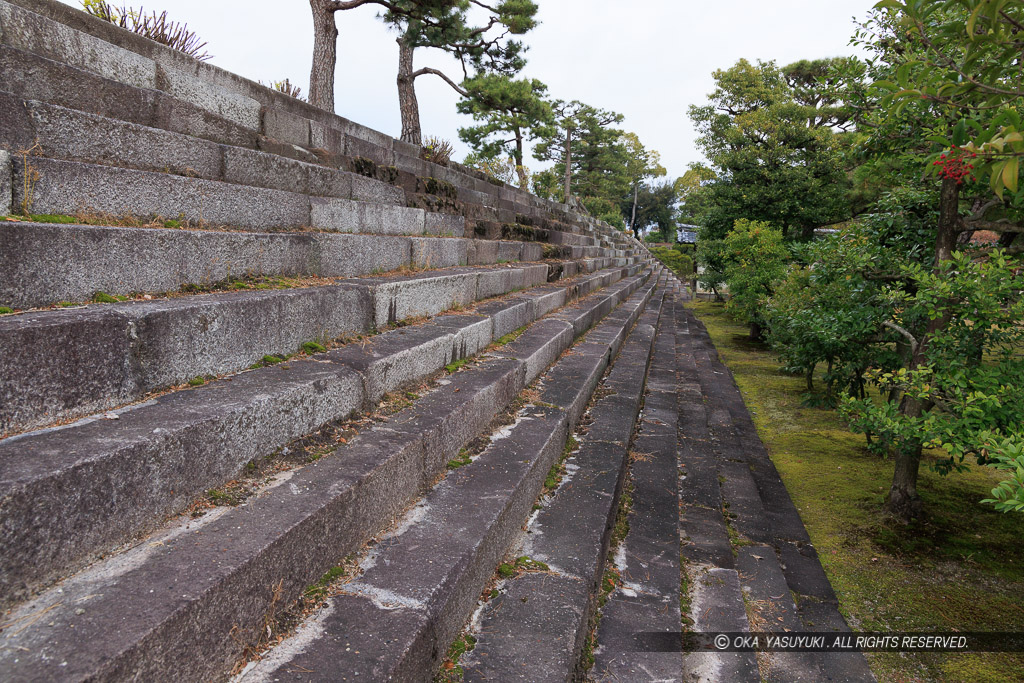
{"x": 450, "y": 671}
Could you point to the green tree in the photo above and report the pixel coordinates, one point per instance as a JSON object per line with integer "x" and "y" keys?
{"x": 480, "y": 49}
{"x": 953, "y": 66}
{"x": 442, "y": 24}
{"x": 653, "y": 208}
{"x": 641, "y": 164}
{"x": 512, "y": 112}
{"x": 902, "y": 299}
{"x": 773, "y": 149}
{"x": 586, "y": 151}
{"x": 756, "y": 262}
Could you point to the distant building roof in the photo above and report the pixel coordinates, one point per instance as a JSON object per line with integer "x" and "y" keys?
{"x": 687, "y": 236}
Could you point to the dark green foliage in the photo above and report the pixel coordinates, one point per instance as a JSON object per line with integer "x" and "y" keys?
{"x": 511, "y": 112}
{"x": 677, "y": 262}
{"x": 655, "y": 209}
{"x": 773, "y": 149}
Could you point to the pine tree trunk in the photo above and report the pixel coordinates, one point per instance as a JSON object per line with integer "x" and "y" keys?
{"x": 520, "y": 168}
{"x": 325, "y": 56}
{"x": 568, "y": 165}
{"x": 903, "y": 501}
{"x": 407, "y": 103}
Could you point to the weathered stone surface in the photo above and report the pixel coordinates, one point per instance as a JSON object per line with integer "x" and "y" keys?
{"x": 397, "y": 299}
{"x": 469, "y": 520}
{"x": 231, "y": 106}
{"x": 571, "y": 384}
{"x": 6, "y": 188}
{"x": 163, "y": 343}
{"x": 69, "y": 187}
{"x": 345, "y": 215}
{"x": 375, "y": 152}
{"x": 369, "y": 190}
{"x": 181, "y": 338}
{"x": 444, "y": 225}
{"x": 70, "y": 134}
{"x": 717, "y": 605}
{"x": 16, "y": 129}
{"x": 250, "y": 167}
{"x": 740, "y": 493}
{"x": 126, "y": 474}
{"x": 446, "y": 419}
{"x": 33, "y": 33}
{"x": 531, "y": 631}
{"x": 706, "y": 537}
{"x": 510, "y": 313}
{"x": 44, "y": 263}
{"x": 539, "y": 346}
{"x": 286, "y": 127}
{"x": 803, "y": 571}
{"x": 649, "y": 556}
{"x": 87, "y": 354}
{"x": 483, "y": 252}
{"x": 430, "y": 252}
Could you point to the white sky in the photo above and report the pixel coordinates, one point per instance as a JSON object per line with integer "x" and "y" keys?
{"x": 647, "y": 59}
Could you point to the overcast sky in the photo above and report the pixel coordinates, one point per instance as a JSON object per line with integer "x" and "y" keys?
{"x": 647, "y": 59}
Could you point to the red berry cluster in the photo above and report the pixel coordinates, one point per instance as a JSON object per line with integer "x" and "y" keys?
{"x": 955, "y": 165}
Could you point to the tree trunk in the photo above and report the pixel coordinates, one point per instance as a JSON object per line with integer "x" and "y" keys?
{"x": 325, "y": 56}
{"x": 568, "y": 165}
{"x": 756, "y": 331}
{"x": 903, "y": 501}
{"x": 524, "y": 182}
{"x": 407, "y": 103}
{"x": 632, "y": 220}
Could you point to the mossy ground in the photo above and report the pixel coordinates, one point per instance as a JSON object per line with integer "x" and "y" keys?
{"x": 960, "y": 569}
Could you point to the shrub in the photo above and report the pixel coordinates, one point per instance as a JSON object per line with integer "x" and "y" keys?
{"x": 757, "y": 262}
{"x": 287, "y": 88}
{"x": 154, "y": 26}
{"x": 437, "y": 150}
{"x": 680, "y": 264}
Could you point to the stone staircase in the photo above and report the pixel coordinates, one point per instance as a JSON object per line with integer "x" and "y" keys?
{"x": 344, "y": 408}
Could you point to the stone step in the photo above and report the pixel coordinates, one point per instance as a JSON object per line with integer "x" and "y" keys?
{"x": 772, "y": 610}
{"x": 246, "y": 199}
{"x": 59, "y": 372}
{"x": 82, "y": 63}
{"x": 63, "y": 57}
{"x": 535, "y": 629}
{"x": 716, "y": 605}
{"x": 184, "y": 604}
{"x": 37, "y": 77}
{"x": 157, "y": 456}
{"x": 72, "y": 187}
{"x": 783, "y": 564}
{"x": 73, "y": 135}
{"x": 146, "y": 113}
{"x": 395, "y": 621}
{"x": 648, "y": 559}
{"x": 42, "y": 264}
